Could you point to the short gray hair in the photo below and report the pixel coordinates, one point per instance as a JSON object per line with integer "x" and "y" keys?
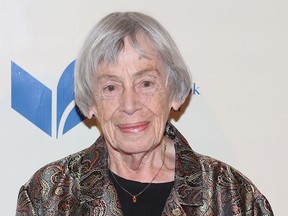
{"x": 105, "y": 42}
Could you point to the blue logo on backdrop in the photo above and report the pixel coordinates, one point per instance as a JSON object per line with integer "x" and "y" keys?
{"x": 33, "y": 100}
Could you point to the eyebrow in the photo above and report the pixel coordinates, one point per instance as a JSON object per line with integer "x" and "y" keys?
{"x": 145, "y": 71}
{"x": 136, "y": 75}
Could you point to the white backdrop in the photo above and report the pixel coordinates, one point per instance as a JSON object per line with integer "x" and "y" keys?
{"x": 237, "y": 52}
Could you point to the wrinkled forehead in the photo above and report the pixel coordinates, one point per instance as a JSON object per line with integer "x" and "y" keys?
{"x": 141, "y": 44}
{"x": 133, "y": 63}
{"x": 137, "y": 57}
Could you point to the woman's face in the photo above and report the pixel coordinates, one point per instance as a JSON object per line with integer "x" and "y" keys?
{"x": 132, "y": 102}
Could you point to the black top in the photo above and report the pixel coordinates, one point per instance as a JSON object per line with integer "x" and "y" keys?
{"x": 151, "y": 202}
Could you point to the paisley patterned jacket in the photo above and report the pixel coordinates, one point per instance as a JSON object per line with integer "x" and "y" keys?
{"x": 80, "y": 185}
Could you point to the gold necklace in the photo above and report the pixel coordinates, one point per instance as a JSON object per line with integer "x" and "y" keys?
{"x": 134, "y": 197}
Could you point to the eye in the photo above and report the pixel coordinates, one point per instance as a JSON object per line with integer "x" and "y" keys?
{"x": 110, "y": 91}
{"x": 110, "y": 88}
{"x": 146, "y": 84}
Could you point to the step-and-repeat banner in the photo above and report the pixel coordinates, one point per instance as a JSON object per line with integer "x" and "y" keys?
{"x": 237, "y": 54}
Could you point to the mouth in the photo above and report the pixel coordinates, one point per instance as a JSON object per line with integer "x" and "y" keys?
{"x": 133, "y": 127}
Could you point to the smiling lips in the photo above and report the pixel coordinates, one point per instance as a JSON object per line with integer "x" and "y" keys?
{"x": 134, "y": 127}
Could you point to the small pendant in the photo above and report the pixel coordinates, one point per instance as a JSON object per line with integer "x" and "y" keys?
{"x": 134, "y": 199}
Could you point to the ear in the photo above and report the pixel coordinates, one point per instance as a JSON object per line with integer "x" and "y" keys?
{"x": 92, "y": 113}
{"x": 176, "y": 105}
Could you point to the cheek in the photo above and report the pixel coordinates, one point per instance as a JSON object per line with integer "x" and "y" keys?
{"x": 158, "y": 104}
{"x": 106, "y": 109}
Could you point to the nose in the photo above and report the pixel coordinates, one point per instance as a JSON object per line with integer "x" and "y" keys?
{"x": 130, "y": 101}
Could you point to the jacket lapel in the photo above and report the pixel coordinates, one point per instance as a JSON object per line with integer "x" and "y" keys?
{"x": 97, "y": 192}
{"x": 188, "y": 187}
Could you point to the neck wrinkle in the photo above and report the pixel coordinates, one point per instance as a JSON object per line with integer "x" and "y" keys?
{"x": 143, "y": 168}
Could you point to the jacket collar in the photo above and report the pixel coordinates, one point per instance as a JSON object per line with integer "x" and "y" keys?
{"x": 92, "y": 170}
{"x": 188, "y": 171}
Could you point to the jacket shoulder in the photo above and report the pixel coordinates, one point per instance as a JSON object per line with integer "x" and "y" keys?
{"x": 232, "y": 187}
{"x": 55, "y": 185}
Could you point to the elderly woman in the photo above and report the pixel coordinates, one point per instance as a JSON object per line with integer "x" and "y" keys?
{"x": 129, "y": 76}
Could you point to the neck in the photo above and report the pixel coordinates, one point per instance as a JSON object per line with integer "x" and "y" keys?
{"x": 143, "y": 166}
